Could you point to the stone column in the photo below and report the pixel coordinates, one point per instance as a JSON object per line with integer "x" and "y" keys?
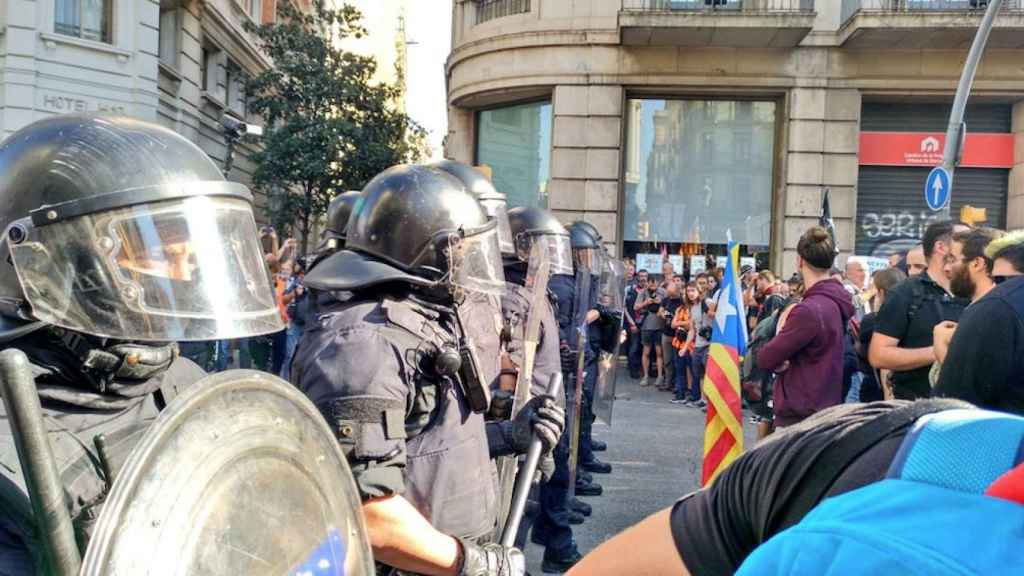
{"x": 459, "y": 145}
{"x": 1015, "y": 202}
{"x": 586, "y": 151}
{"x": 821, "y": 152}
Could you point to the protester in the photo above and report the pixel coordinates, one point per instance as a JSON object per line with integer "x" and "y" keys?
{"x": 648, "y": 304}
{"x": 807, "y": 353}
{"x": 634, "y": 320}
{"x": 970, "y": 273}
{"x": 767, "y": 298}
{"x": 857, "y": 273}
{"x": 917, "y": 260}
{"x": 702, "y": 314}
{"x": 687, "y": 387}
{"x": 903, "y": 336}
{"x": 775, "y": 485}
{"x": 673, "y": 300}
{"x": 874, "y": 383}
{"x": 298, "y": 314}
{"x": 985, "y": 361}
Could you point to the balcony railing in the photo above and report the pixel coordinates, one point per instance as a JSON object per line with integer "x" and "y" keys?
{"x": 744, "y": 6}
{"x": 491, "y": 9}
{"x": 850, "y": 8}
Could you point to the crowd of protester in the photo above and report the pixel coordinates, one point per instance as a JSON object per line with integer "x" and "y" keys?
{"x": 271, "y": 353}
{"x": 931, "y": 324}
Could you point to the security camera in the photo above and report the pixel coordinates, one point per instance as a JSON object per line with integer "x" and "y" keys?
{"x": 233, "y": 127}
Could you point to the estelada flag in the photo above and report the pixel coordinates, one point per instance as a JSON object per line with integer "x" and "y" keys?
{"x": 723, "y": 431}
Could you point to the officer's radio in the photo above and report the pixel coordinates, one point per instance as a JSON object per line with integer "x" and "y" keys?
{"x": 461, "y": 363}
{"x": 475, "y": 389}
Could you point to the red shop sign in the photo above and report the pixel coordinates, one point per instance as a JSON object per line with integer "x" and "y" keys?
{"x": 925, "y": 149}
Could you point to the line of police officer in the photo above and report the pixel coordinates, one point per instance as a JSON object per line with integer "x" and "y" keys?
{"x": 122, "y": 238}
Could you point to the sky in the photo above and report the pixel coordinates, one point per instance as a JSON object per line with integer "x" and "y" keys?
{"x": 428, "y": 29}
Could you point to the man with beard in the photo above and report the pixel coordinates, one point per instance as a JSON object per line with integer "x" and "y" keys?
{"x": 985, "y": 362}
{"x": 970, "y": 277}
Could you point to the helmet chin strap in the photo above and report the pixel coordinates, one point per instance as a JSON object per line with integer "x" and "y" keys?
{"x": 120, "y": 360}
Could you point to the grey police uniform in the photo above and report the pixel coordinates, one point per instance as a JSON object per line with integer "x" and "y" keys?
{"x": 77, "y": 409}
{"x": 367, "y": 364}
{"x": 516, "y": 310}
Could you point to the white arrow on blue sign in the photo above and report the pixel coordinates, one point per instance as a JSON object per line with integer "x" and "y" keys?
{"x": 936, "y": 188}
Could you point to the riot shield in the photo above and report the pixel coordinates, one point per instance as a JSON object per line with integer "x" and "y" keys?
{"x": 574, "y": 408}
{"x": 239, "y": 475}
{"x": 537, "y": 276}
{"x": 611, "y": 304}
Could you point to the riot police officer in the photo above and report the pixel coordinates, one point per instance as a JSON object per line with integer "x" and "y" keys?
{"x": 588, "y": 254}
{"x": 396, "y": 378}
{"x": 537, "y": 232}
{"x": 332, "y": 239}
{"x": 120, "y": 238}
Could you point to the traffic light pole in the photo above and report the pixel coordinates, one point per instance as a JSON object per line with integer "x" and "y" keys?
{"x": 956, "y": 132}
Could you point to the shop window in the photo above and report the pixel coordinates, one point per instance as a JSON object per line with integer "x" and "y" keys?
{"x": 515, "y": 142}
{"x": 703, "y": 175}
{"x": 87, "y": 19}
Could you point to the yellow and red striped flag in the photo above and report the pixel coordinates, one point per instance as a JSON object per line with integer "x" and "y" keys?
{"x": 723, "y": 431}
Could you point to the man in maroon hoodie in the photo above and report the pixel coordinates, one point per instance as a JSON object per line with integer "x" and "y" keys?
{"x": 807, "y": 353}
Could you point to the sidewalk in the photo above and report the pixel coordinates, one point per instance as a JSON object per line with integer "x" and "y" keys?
{"x": 655, "y": 448}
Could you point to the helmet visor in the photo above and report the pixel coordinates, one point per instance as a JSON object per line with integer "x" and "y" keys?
{"x": 589, "y": 258}
{"x": 186, "y": 269}
{"x": 556, "y": 247}
{"x": 497, "y": 210}
{"x": 476, "y": 261}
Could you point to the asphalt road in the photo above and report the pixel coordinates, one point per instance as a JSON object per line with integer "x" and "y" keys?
{"x": 655, "y": 449}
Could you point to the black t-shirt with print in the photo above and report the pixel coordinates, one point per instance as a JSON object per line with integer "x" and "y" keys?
{"x": 758, "y": 495}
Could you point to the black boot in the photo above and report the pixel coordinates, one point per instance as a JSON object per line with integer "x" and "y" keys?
{"x": 575, "y": 517}
{"x": 589, "y": 489}
{"x": 581, "y": 507}
{"x": 597, "y": 467}
{"x": 559, "y": 563}
{"x": 598, "y": 446}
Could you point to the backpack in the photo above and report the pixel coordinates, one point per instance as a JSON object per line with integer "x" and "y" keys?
{"x": 950, "y": 504}
{"x": 762, "y": 334}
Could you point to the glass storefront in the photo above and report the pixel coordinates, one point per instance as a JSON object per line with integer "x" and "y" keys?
{"x": 515, "y": 142}
{"x": 698, "y": 172}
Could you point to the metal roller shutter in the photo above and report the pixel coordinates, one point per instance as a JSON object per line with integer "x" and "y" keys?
{"x": 892, "y": 214}
{"x": 924, "y": 117}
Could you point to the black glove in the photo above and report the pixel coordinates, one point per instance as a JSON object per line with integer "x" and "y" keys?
{"x": 541, "y": 416}
{"x": 490, "y": 560}
{"x": 568, "y": 357}
{"x": 501, "y": 405}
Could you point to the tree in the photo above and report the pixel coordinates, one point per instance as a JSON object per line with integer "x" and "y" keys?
{"x": 328, "y": 128}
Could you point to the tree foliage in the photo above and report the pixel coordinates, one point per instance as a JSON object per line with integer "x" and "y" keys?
{"x": 328, "y": 127}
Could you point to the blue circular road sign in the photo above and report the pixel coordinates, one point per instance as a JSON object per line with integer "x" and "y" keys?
{"x": 936, "y": 188}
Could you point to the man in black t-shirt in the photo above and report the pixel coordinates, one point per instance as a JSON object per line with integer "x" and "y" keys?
{"x": 765, "y": 491}
{"x": 904, "y": 327}
{"x": 985, "y": 362}
{"x": 673, "y": 299}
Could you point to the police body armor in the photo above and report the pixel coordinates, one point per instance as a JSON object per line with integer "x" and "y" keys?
{"x": 448, "y": 474}
{"x": 516, "y": 310}
{"x": 90, "y": 441}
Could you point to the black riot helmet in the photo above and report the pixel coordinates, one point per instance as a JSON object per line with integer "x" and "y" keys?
{"x": 338, "y": 212}
{"x": 420, "y": 226}
{"x": 586, "y": 246}
{"x": 495, "y": 203}
{"x": 119, "y": 228}
{"x": 531, "y": 227}
{"x": 332, "y": 238}
{"x": 588, "y": 228}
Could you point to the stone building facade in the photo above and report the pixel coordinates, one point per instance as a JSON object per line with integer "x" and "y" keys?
{"x": 624, "y": 80}
{"x": 178, "y": 62}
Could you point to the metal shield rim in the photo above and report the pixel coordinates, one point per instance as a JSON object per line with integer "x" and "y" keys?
{"x": 170, "y": 420}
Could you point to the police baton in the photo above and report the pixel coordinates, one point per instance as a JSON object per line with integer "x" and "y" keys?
{"x": 525, "y": 478}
